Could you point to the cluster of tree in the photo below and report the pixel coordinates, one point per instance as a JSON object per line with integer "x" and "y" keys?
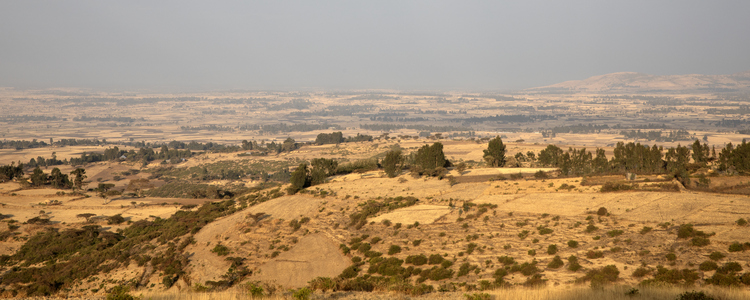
{"x": 297, "y": 104}
{"x": 737, "y": 158}
{"x": 22, "y": 144}
{"x": 208, "y": 127}
{"x": 580, "y": 128}
{"x": 106, "y": 119}
{"x": 282, "y": 127}
{"x": 17, "y": 119}
{"x": 143, "y": 155}
{"x": 338, "y": 137}
{"x": 655, "y": 135}
{"x": 11, "y": 171}
{"x": 57, "y": 179}
{"x": 305, "y": 176}
{"x": 430, "y": 128}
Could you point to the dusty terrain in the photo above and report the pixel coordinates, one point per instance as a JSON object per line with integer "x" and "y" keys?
{"x": 289, "y": 240}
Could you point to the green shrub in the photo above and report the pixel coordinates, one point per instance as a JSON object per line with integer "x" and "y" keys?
{"x": 646, "y": 230}
{"x": 700, "y": 241}
{"x": 555, "y": 263}
{"x": 573, "y": 264}
{"x": 694, "y": 296}
{"x": 302, "y": 294}
{"x": 591, "y": 228}
{"x": 708, "y": 266}
{"x": 614, "y": 233}
{"x": 120, "y": 293}
{"x": 591, "y": 254}
{"x": 737, "y": 247}
{"x": 741, "y": 222}
{"x": 506, "y": 260}
{"x": 599, "y": 277}
{"x": 435, "y": 259}
{"x": 552, "y": 249}
{"x": 394, "y": 249}
{"x": 477, "y": 296}
{"x": 572, "y": 244}
{"x": 641, "y": 271}
{"x": 220, "y": 250}
{"x": 716, "y": 255}
{"x": 671, "y": 257}
{"x": 416, "y": 260}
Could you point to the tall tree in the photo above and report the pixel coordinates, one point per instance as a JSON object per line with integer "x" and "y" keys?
{"x": 392, "y": 163}
{"x": 495, "y": 153}
{"x": 80, "y": 174}
{"x": 38, "y": 177}
{"x": 429, "y": 158}
{"x": 299, "y": 179}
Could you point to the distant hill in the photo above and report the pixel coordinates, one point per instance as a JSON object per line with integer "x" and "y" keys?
{"x": 632, "y": 82}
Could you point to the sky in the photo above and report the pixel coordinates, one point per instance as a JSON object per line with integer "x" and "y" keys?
{"x": 403, "y": 45}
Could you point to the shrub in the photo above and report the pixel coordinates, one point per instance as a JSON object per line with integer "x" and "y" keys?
{"x": 477, "y": 296}
{"x": 614, "y": 187}
{"x": 506, "y": 260}
{"x": 591, "y": 228}
{"x": 540, "y": 175}
{"x": 416, "y": 260}
{"x": 572, "y": 244}
{"x": 646, "y": 230}
{"x": 614, "y": 233}
{"x": 640, "y": 272}
{"x": 591, "y": 254}
{"x": 573, "y": 264}
{"x": 120, "y": 293}
{"x": 555, "y": 263}
{"x": 736, "y": 247}
{"x": 465, "y": 268}
{"x": 599, "y": 277}
{"x": 552, "y": 249}
{"x": 694, "y": 296}
{"x": 523, "y": 234}
{"x": 302, "y": 294}
{"x": 700, "y": 241}
{"x": 708, "y": 266}
{"x": 220, "y": 250}
{"x": 393, "y": 249}
{"x": 671, "y": 257}
{"x": 716, "y": 255}
{"x": 602, "y": 211}
{"x": 435, "y": 259}
{"x": 544, "y": 230}
{"x": 741, "y": 222}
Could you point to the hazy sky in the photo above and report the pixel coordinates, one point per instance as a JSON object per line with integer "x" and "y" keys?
{"x": 444, "y": 45}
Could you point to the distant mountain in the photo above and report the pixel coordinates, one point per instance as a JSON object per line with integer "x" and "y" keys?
{"x": 632, "y": 82}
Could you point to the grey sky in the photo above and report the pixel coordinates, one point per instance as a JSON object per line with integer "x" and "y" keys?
{"x": 444, "y": 45}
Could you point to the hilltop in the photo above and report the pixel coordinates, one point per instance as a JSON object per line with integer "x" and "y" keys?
{"x": 632, "y": 82}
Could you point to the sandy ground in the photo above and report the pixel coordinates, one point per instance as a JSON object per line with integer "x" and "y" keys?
{"x": 314, "y": 256}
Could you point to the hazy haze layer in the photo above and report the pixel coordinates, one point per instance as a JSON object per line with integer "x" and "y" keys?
{"x": 379, "y": 44}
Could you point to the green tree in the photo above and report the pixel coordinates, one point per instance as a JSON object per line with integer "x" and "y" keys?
{"x": 58, "y": 179}
{"x": 550, "y": 156}
{"x": 495, "y": 153}
{"x": 700, "y": 153}
{"x": 430, "y": 159}
{"x": 80, "y": 174}
{"x": 38, "y": 178}
{"x": 322, "y": 168}
{"x": 104, "y": 188}
{"x": 299, "y": 179}
{"x": 392, "y": 163}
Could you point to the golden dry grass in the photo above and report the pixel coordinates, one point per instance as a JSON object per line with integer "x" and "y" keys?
{"x": 572, "y": 293}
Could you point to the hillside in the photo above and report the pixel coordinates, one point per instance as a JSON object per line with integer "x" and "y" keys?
{"x": 632, "y": 82}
